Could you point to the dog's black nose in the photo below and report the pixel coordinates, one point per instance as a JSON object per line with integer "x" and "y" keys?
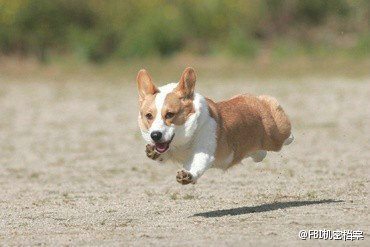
{"x": 156, "y": 135}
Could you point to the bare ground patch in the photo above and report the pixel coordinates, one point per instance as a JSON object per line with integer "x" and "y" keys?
{"x": 73, "y": 169}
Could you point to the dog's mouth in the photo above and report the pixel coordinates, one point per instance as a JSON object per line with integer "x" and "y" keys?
{"x": 162, "y": 147}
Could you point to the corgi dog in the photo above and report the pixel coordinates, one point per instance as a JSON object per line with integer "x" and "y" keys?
{"x": 182, "y": 126}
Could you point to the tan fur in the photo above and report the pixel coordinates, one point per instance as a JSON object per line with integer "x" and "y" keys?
{"x": 179, "y": 102}
{"x": 247, "y": 124}
{"x": 145, "y": 84}
{"x": 181, "y": 107}
{"x": 147, "y": 93}
{"x": 147, "y": 105}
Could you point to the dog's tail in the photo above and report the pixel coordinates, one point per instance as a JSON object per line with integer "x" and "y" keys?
{"x": 281, "y": 133}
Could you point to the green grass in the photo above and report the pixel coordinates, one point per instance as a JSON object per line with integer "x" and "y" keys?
{"x": 212, "y": 68}
{"x": 99, "y": 31}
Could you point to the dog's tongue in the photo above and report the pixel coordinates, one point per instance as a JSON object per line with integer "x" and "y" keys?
{"x": 161, "y": 147}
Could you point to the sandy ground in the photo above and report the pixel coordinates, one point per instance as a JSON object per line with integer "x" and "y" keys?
{"x": 73, "y": 169}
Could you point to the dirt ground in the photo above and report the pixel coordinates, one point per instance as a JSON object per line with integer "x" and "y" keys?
{"x": 73, "y": 169}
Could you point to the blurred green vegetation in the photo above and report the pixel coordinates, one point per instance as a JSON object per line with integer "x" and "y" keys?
{"x": 95, "y": 30}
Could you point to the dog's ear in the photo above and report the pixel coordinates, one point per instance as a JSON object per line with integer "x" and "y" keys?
{"x": 187, "y": 83}
{"x": 145, "y": 84}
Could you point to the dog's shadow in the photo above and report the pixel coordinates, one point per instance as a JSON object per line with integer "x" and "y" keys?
{"x": 261, "y": 208}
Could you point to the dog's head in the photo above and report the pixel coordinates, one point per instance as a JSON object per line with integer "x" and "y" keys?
{"x": 165, "y": 110}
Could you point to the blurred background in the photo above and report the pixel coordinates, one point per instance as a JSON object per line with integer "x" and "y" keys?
{"x": 73, "y": 170}
{"x": 260, "y": 32}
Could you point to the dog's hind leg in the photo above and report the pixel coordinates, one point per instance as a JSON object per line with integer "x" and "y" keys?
{"x": 259, "y": 155}
{"x": 289, "y": 140}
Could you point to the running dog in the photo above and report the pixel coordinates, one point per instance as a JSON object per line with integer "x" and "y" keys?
{"x": 180, "y": 125}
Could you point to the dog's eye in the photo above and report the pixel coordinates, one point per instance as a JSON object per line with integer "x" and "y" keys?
{"x": 149, "y": 116}
{"x": 169, "y": 115}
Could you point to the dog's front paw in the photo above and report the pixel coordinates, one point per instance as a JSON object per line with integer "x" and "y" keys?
{"x": 151, "y": 152}
{"x": 184, "y": 177}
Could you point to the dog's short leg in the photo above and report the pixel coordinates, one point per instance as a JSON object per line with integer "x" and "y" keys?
{"x": 184, "y": 177}
{"x": 202, "y": 158}
{"x": 151, "y": 153}
{"x": 193, "y": 170}
{"x": 259, "y": 155}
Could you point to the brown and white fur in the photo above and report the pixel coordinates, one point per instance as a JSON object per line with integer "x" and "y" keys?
{"x": 182, "y": 126}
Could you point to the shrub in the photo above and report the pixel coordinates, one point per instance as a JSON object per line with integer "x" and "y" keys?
{"x": 96, "y": 30}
